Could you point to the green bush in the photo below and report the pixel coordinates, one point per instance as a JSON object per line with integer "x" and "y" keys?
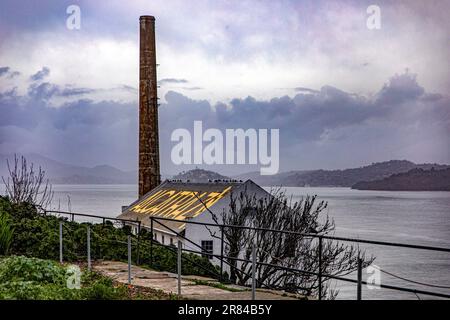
{"x": 36, "y": 279}
{"x": 37, "y": 235}
{"x": 103, "y": 289}
{"x": 6, "y": 234}
{"x": 20, "y": 268}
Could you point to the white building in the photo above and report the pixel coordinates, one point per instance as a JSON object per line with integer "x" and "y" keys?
{"x": 185, "y": 201}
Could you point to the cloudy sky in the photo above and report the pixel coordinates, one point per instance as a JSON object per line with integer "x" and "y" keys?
{"x": 341, "y": 94}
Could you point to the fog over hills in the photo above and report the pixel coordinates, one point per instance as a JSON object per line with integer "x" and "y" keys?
{"x": 62, "y": 173}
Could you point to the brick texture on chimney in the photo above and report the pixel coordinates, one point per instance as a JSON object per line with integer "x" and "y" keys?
{"x": 149, "y": 170}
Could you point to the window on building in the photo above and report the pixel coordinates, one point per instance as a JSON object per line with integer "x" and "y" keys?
{"x": 171, "y": 241}
{"x": 162, "y": 239}
{"x": 154, "y": 237}
{"x": 207, "y": 249}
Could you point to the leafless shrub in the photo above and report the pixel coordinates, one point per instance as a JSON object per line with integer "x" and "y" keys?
{"x": 294, "y": 250}
{"x": 24, "y": 184}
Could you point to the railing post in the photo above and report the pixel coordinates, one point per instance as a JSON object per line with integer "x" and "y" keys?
{"x": 359, "y": 286}
{"x": 179, "y": 267}
{"x": 221, "y": 254}
{"x": 320, "y": 268}
{"x": 254, "y": 270}
{"x": 138, "y": 249}
{"x": 129, "y": 259}
{"x": 151, "y": 242}
{"x": 89, "y": 247}
{"x": 60, "y": 242}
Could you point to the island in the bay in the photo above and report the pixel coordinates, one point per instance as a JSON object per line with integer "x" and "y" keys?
{"x": 413, "y": 180}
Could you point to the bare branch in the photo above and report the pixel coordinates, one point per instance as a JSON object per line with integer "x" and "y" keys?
{"x": 279, "y": 212}
{"x": 24, "y": 184}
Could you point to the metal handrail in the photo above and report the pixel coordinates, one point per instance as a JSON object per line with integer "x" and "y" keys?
{"x": 319, "y": 274}
{"x": 135, "y": 222}
{"x": 313, "y": 235}
{"x": 437, "y": 294}
{"x": 93, "y": 216}
{"x": 198, "y": 246}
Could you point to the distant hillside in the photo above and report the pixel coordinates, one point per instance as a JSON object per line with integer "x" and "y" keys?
{"x": 62, "y": 173}
{"x": 270, "y": 180}
{"x": 413, "y": 180}
{"x": 199, "y": 175}
{"x": 338, "y": 178}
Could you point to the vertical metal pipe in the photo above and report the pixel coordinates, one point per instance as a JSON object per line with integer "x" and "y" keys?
{"x": 179, "y": 267}
{"x": 89, "y": 247}
{"x": 60, "y": 242}
{"x": 151, "y": 242}
{"x": 221, "y": 253}
{"x": 129, "y": 259}
{"x": 320, "y": 268}
{"x": 149, "y": 174}
{"x": 254, "y": 271}
{"x": 138, "y": 249}
{"x": 359, "y": 286}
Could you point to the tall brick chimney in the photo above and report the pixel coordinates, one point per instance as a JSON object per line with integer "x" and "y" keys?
{"x": 149, "y": 174}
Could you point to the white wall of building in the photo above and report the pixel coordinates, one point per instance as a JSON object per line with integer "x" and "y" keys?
{"x": 197, "y": 233}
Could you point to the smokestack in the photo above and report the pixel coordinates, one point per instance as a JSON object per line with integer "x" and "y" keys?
{"x": 149, "y": 175}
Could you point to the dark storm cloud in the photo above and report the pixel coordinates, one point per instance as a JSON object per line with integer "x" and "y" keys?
{"x": 322, "y": 128}
{"x": 43, "y": 91}
{"x": 7, "y": 72}
{"x": 3, "y": 71}
{"x": 331, "y": 127}
{"x": 41, "y": 74}
{"x": 46, "y": 90}
{"x": 401, "y": 88}
{"x": 80, "y": 132}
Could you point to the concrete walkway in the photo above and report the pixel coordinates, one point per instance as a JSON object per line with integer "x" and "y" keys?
{"x": 168, "y": 283}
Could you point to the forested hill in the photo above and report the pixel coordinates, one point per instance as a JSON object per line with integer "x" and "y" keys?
{"x": 199, "y": 175}
{"x": 413, "y": 180}
{"x": 339, "y": 178}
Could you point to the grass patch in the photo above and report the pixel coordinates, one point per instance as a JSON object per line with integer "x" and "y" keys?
{"x": 217, "y": 285}
{"x": 24, "y": 278}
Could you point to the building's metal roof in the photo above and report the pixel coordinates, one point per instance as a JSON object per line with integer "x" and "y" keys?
{"x": 178, "y": 200}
